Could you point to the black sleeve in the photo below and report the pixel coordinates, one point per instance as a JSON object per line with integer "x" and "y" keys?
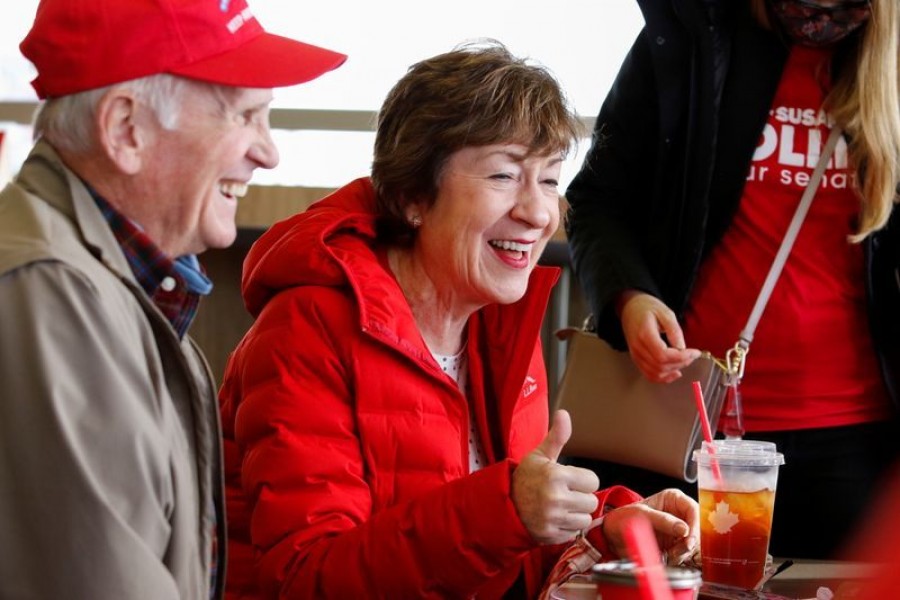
{"x": 612, "y": 193}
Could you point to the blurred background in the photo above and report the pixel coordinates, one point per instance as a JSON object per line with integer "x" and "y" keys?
{"x": 581, "y": 41}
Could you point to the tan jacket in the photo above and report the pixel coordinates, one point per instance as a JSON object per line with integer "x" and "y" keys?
{"x": 109, "y": 441}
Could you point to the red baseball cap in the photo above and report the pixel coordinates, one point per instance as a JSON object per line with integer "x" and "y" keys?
{"x": 78, "y": 45}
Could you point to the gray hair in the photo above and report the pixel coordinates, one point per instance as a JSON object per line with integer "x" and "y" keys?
{"x": 66, "y": 121}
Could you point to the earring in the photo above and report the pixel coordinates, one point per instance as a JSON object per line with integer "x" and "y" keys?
{"x": 415, "y": 221}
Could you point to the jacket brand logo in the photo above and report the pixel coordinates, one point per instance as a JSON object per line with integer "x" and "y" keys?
{"x": 530, "y": 386}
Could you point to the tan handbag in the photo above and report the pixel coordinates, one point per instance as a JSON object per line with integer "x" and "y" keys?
{"x": 619, "y": 416}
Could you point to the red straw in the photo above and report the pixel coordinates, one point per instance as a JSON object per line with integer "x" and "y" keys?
{"x": 644, "y": 551}
{"x": 707, "y": 430}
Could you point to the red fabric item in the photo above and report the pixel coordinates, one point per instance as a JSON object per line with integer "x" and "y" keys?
{"x": 587, "y": 551}
{"x": 811, "y": 362}
{"x": 346, "y": 445}
{"x": 610, "y": 498}
{"x": 577, "y": 559}
{"x": 77, "y": 45}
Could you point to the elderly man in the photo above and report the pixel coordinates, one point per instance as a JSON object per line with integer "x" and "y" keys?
{"x": 156, "y": 116}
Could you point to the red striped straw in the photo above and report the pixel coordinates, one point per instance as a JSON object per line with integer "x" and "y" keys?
{"x": 644, "y": 551}
{"x": 707, "y": 430}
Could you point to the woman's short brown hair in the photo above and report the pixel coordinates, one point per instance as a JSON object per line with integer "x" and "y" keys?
{"x": 476, "y": 95}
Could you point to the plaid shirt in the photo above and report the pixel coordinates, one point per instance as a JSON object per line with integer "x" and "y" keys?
{"x": 174, "y": 285}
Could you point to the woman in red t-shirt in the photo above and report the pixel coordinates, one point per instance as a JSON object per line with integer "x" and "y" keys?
{"x": 709, "y": 136}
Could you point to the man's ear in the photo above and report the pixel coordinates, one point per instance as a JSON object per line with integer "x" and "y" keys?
{"x": 122, "y": 132}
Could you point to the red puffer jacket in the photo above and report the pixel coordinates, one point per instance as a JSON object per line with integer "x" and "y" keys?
{"x": 346, "y": 445}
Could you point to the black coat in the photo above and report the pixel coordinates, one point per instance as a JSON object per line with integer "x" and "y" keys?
{"x": 671, "y": 150}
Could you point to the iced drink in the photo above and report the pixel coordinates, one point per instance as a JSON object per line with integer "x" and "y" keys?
{"x": 736, "y": 485}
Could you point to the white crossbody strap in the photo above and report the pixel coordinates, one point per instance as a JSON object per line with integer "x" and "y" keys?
{"x": 789, "y": 237}
{"x": 787, "y": 243}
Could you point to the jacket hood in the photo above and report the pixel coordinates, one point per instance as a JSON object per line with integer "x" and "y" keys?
{"x": 300, "y": 249}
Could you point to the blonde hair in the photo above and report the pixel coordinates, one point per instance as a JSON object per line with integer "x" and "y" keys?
{"x": 865, "y": 101}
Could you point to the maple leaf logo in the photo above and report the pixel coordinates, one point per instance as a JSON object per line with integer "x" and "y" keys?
{"x": 723, "y": 519}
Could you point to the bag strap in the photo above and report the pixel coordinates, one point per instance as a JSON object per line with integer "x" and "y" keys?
{"x": 735, "y": 357}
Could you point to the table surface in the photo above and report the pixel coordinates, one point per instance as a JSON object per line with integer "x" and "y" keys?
{"x": 805, "y": 577}
{"x": 799, "y": 581}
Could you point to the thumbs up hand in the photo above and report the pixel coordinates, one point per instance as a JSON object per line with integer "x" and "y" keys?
{"x": 554, "y": 501}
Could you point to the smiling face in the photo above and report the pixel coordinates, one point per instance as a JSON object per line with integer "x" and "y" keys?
{"x": 197, "y": 171}
{"x": 495, "y": 210}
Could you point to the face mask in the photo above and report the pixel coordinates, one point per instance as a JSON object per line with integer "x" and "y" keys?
{"x": 808, "y": 23}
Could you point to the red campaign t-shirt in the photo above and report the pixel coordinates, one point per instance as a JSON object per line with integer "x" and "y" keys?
{"x": 811, "y": 362}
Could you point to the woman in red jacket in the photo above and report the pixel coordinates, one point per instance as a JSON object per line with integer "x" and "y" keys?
{"x": 386, "y": 417}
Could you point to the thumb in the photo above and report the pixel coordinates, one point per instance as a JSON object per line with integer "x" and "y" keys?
{"x": 559, "y": 434}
